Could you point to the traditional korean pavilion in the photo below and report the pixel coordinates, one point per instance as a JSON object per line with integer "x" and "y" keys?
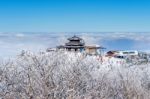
{"x": 74, "y": 43}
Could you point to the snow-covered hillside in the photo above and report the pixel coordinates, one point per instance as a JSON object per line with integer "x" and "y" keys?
{"x": 66, "y": 75}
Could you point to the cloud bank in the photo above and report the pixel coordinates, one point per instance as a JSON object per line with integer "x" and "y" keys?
{"x": 13, "y": 43}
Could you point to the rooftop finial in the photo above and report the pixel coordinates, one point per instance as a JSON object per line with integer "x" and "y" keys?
{"x": 74, "y": 35}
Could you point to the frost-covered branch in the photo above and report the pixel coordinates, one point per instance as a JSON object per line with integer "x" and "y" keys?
{"x": 67, "y": 75}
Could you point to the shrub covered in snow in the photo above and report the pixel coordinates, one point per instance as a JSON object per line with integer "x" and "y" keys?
{"x": 66, "y": 75}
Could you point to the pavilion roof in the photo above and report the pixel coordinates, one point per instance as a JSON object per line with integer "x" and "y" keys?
{"x": 75, "y": 38}
{"x": 75, "y": 44}
{"x": 95, "y": 46}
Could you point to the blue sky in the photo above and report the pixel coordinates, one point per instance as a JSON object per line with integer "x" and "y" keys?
{"x": 74, "y": 15}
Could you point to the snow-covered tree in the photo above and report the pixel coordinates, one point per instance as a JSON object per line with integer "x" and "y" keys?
{"x": 67, "y": 75}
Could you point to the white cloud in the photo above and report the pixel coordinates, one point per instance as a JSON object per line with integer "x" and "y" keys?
{"x": 20, "y": 35}
{"x": 11, "y": 43}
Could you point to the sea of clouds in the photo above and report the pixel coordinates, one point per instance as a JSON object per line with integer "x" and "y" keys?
{"x": 12, "y": 44}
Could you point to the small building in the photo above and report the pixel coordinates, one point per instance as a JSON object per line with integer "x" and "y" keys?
{"x": 126, "y": 53}
{"x": 75, "y": 44}
{"x": 111, "y": 53}
{"x": 123, "y": 54}
{"x": 94, "y": 50}
{"x": 61, "y": 48}
{"x": 51, "y": 49}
